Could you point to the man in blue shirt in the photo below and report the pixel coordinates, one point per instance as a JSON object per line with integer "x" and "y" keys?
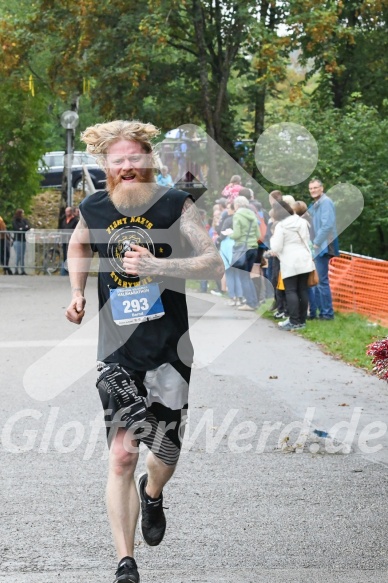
{"x": 325, "y": 244}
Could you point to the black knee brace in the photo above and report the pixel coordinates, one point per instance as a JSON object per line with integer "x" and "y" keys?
{"x": 125, "y": 389}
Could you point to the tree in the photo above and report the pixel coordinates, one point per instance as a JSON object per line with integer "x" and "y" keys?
{"x": 226, "y": 39}
{"x": 346, "y": 42}
{"x": 21, "y": 135}
{"x": 174, "y": 67}
{"x": 352, "y": 149}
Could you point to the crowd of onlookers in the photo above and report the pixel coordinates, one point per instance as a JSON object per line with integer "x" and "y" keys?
{"x": 15, "y": 237}
{"x": 283, "y": 253}
{"x": 265, "y": 254}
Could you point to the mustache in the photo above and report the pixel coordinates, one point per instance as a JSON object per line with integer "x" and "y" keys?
{"x": 133, "y": 173}
{"x": 114, "y": 181}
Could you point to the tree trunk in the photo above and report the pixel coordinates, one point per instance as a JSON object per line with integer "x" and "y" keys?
{"x": 258, "y": 129}
{"x": 382, "y": 241}
{"x": 203, "y": 67}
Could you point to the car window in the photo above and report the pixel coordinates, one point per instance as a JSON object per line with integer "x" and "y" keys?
{"x": 88, "y": 159}
{"x": 56, "y": 160}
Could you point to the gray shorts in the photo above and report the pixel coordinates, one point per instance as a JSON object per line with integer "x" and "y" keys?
{"x": 166, "y": 392}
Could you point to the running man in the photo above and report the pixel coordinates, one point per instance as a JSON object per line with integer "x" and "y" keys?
{"x": 149, "y": 240}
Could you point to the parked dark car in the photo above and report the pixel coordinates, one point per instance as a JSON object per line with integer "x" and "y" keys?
{"x": 51, "y": 170}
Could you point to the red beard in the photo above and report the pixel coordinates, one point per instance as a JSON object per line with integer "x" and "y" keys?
{"x": 129, "y": 194}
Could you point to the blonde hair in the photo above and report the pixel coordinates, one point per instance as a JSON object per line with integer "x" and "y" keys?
{"x": 101, "y": 136}
{"x": 299, "y": 207}
{"x": 289, "y": 199}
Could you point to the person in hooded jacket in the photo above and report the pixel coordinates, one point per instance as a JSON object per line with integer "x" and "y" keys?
{"x": 246, "y": 230}
{"x": 291, "y": 241}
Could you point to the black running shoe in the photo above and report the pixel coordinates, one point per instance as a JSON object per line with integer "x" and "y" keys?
{"x": 127, "y": 571}
{"x": 152, "y": 520}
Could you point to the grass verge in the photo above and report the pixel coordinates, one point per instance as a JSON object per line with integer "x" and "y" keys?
{"x": 346, "y": 337}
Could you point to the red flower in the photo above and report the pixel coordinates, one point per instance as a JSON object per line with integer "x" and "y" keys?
{"x": 379, "y": 351}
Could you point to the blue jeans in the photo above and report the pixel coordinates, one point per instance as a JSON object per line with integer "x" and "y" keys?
{"x": 20, "y": 249}
{"x": 312, "y": 302}
{"x": 322, "y": 291}
{"x": 233, "y": 283}
{"x": 248, "y": 288}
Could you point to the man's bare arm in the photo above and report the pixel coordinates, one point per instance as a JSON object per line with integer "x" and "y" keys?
{"x": 207, "y": 264}
{"x": 79, "y": 255}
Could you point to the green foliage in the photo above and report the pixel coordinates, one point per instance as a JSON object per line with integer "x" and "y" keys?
{"x": 346, "y": 337}
{"x": 219, "y": 64}
{"x": 352, "y": 148}
{"x": 21, "y": 136}
{"x": 347, "y": 42}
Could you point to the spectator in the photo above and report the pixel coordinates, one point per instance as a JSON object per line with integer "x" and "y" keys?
{"x": 20, "y": 225}
{"x": 233, "y": 281}
{"x": 274, "y": 196}
{"x": 203, "y": 282}
{"x": 204, "y": 219}
{"x": 279, "y": 306}
{"x": 164, "y": 178}
{"x": 75, "y": 211}
{"x": 300, "y": 208}
{"x": 68, "y": 224}
{"x": 5, "y": 247}
{"x": 289, "y": 199}
{"x": 291, "y": 242}
{"x": 232, "y": 190}
{"x": 193, "y": 156}
{"x": 221, "y": 205}
{"x": 246, "y": 231}
{"x": 325, "y": 244}
{"x": 213, "y": 233}
{"x": 180, "y": 157}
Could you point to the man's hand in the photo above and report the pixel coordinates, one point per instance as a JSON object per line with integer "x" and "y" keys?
{"x": 75, "y": 312}
{"x": 139, "y": 261}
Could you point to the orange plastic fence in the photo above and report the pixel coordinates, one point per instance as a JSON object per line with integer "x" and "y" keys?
{"x": 360, "y": 284}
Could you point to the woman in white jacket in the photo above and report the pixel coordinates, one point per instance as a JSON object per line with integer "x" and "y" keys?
{"x": 291, "y": 242}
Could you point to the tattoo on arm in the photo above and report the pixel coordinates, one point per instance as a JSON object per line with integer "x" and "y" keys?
{"x": 192, "y": 228}
{"x": 207, "y": 262}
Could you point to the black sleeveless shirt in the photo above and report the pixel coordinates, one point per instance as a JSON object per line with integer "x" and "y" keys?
{"x": 147, "y": 345}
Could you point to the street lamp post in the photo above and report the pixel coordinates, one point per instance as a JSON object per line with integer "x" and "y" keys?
{"x": 69, "y": 121}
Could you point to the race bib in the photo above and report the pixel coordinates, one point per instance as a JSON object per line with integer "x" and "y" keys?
{"x": 134, "y": 305}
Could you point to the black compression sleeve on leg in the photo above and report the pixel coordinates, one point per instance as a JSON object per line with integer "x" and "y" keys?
{"x": 116, "y": 381}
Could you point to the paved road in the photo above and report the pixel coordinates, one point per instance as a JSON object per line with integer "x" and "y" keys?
{"x": 254, "y": 498}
